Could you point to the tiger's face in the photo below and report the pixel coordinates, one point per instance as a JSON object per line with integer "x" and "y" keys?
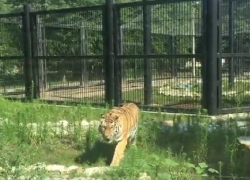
{"x": 109, "y": 128}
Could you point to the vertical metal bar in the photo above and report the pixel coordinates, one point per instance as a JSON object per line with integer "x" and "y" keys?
{"x": 193, "y": 41}
{"x": 219, "y": 56}
{"x": 108, "y": 51}
{"x": 45, "y": 81}
{"x": 120, "y": 49}
{"x": 27, "y": 52}
{"x": 147, "y": 51}
{"x": 241, "y": 61}
{"x": 83, "y": 62}
{"x": 211, "y": 63}
{"x": 123, "y": 72}
{"x": 172, "y": 42}
{"x": 117, "y": 62}
{"x": 39, "y": 48}
{"x": 203, "y": 67}
{"x": 35, "y": 64}
{"x": 231, "y": 48}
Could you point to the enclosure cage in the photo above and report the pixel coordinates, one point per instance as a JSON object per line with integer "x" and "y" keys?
{"x": 159, "y": 51}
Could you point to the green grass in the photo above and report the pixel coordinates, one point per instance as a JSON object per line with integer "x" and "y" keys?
{"x": 161, "y": 154}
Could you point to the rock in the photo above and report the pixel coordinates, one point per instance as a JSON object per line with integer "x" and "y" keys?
{"x": 4, "y": 121}
{"x": 94, "y": 123}
{"x": 168, "y": 123}
{"x": 35, "y": 167}
{"x": 168, "y": 91}
{"x": 13, "y": 169}
{"x": 144, "y": 176}
{"x": 80, "y": 170}
{"x": 50, "y": 124}
{"x": 95, "y": 170}
{"x": 55, "y": 168}
{"x": 242, "y": 124}
{"x": 63, "y": 123}
{"x": 60, "y": 131}
{"x": 32, "y": 125}
{"x": 245, "y": 140}
{"x": 22, "y": 177}
{"x": 72, "y": 168}
{"x": 64, "y": 172}
{"x": 84, "y": 123}
{"x": 60, "y": 128}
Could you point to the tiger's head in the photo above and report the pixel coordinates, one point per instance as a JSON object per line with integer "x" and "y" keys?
{"x": 110, "y": 128}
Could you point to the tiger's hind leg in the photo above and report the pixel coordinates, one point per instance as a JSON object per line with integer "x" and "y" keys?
{"x": 132, "y": 140}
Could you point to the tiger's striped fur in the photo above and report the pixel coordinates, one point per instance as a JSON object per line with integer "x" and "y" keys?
{"x": 119, "y": 126}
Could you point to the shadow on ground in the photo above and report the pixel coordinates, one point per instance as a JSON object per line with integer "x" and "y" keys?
{"x": 94, "y": 151}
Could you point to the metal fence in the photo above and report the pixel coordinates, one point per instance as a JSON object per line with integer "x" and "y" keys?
{"x": 182, "y": 55}
{"x": 234, "y": 22}
{"x": 70, "y": 54}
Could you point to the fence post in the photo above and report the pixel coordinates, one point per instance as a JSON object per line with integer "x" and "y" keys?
{"x": 211, "y": 56}
{"x": 34, "y": 52}
{"x": 108, "y": 51}
{"x": 147, "y": 51}
{"x": 39, "y": 52}
{"x": 117, "y": 62}
{"x": 27, "y": 52}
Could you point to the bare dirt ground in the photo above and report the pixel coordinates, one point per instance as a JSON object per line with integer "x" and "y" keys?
{"x": 96, "y": 88}
{"x": 72, "y": 91}
{"x": 76, "y": 92}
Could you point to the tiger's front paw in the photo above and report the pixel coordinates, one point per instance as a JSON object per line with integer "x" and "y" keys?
{"x": 113, "y": 164}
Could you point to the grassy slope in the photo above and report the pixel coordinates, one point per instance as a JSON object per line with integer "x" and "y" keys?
{"x": 159, "y": 153}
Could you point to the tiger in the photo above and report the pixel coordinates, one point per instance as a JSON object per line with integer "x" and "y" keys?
{"x": 119, "y": 126}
